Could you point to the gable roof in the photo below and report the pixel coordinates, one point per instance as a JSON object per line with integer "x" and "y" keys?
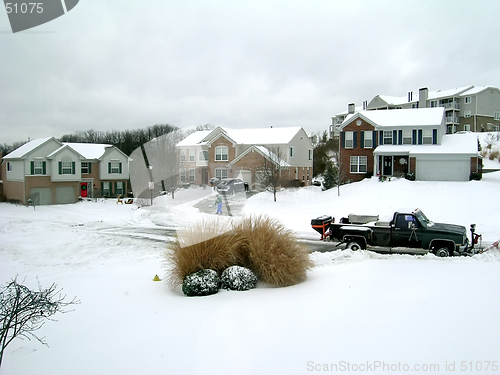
{"x": 63, "y": 147}
{"x": 265, "y": 152}
{"x": 477, "y": 90}
{"x": 258, "y": 136}
{"x": 25, "y": 149}
{"x": 89, "y": 150}
{"x": 399, "y": 117}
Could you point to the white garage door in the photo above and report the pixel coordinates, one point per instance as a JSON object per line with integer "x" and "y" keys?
{"x": 443, "y": 170}
{"x": 41, "y": 195}
{"x": 65, "y": 195}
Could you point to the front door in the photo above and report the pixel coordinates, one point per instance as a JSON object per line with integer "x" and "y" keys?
{"x": 387, "y": 168}
{"x": 84, "y": 189}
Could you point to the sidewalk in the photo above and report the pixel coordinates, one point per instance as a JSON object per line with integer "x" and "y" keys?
{"x": 231, "y": 205}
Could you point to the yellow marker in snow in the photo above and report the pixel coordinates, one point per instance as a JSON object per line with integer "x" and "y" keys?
{"x": 156, "y": 278}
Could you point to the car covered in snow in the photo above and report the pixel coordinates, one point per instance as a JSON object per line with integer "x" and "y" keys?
{"x": 230, "y": 186}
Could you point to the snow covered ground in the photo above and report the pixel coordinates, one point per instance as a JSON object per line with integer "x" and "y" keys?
{"x": 357, "y": 311}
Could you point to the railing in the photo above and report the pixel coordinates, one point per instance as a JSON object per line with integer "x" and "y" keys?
{"x": 450, "y": 105}
{"x": 452, "y": 120}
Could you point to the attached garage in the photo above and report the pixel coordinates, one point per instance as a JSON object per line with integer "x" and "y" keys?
{"x": 442, "y": 169}
{"x": 65, "y": 195}
{"x": 41, "y": 195}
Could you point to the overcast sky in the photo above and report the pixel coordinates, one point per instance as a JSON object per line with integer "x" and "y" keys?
{"x": 117, "y": 65}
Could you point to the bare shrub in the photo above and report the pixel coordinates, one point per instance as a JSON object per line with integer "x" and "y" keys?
{"x": 205, "y": 245}
{"x": 273, "y": 252}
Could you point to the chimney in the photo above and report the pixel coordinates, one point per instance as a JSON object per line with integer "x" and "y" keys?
{"x": 410, "y": 96}
{"x": 423, "y": 95}
{"x": 365, "y": 105}
{"x": 351, "y": 108}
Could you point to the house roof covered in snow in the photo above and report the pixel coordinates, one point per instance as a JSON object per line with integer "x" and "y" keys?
{"x": 400, "y": 117}
{"x": 28, "y": 147}
{"x": 465, "y": 144}
{"x": 264, "y": 151}
{"x": 89, "y": 150}
{"x": 243, "y": 136}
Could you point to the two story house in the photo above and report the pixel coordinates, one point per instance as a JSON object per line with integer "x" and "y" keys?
{"x": 240, "y": 153}
{"x": 406, "y": 141}
{"x": 467, "y": 108}
{"x": 53, "y": 172}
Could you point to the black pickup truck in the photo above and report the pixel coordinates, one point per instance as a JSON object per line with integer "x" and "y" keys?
{"x": 408, "y": 231}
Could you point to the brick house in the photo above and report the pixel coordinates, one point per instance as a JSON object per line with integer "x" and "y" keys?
{"x": 239, "y": 153}
{"x": 406, "y": 141}
{"x": 58, "y": 173}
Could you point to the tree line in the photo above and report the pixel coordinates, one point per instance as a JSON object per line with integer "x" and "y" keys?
{"x": 127, "y": 140}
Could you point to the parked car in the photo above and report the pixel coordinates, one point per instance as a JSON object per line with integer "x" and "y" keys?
{"x": 230, "y": 186}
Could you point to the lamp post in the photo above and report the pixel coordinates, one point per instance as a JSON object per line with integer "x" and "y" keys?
{"x": 151, "y": 182}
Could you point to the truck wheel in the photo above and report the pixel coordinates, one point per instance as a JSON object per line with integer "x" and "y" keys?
{"x": 354, "y": 246}
{"x": 442, "y": 252}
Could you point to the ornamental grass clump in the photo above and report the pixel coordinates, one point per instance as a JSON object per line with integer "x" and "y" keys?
{"x": 205, "y": 245}
{"x": 272, "y": 251}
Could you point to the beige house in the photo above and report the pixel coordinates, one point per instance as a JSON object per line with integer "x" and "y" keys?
{"x": 240, "y": 153}
{"x": 52, "y": 172}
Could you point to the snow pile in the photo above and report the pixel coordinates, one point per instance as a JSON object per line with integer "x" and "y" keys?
{"x": 354, "y": 307}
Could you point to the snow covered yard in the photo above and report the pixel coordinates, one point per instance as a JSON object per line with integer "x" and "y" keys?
{"x": 357, "y": 312}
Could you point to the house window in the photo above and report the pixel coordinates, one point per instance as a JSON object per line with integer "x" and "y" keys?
{"x": 114, "y": 167}
{"x": 221, "y": 153}
{"x": 66, "y": 166}
{"x": 358, "y": 164}
{"x": 497, "y": 115}
{"x": 349, "y": 139}
{"x": 368, "y": 139}
{"x": 182, "y": 175}
{"x": 496, "y": 128}
{"x": 407, "y": 136}
{"x": 192, "y": 154}
{"x": 221, "y": 173}
{"x": 182, "y": 156}
{"x": 467, "y": 127}
{"x": 467, "y": 99}
{"x": 9, "y": 166}
{"x": 106, "y": 189}
{"x": 292, "y": 152}
{"x": 85, "y": 167}
{"x": 434, "y": 103}
{"x": 191, "y": 175}
{"x": 467, "y": 113}
{"x": 38, "y": 167}
{"x": 203, "y": 156}
{"x": 427, "y": 136}
{"x": 118, "y": 187}
{"x": 387, "y": 137}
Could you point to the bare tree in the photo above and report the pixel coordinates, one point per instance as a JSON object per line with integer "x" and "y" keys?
{"x": 24, "y": 311}
{"x": 273, "y": 170}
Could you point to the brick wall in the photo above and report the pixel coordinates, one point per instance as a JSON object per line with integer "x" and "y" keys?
{"x": 346, "y": 153}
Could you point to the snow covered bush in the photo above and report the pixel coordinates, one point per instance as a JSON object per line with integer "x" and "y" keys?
{"x": 272, "y": 251}
{"x": 238, "y": 278}
{"x": 205, "y": 245}
{"x": 201, "y": 283}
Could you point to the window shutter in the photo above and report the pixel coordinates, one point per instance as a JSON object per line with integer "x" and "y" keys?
{"x": 44, "y": 167}
{"x": 32, "y": 164}
{"x": 342, "y": 136}
{"x": 400, "y": 137}
{"x": 90, "y": 167}
{"x": 116, "y": 186}
{"x": 434, "y": 136}
{"x": 109, "y": 167}
{"x": 60, "y": 167}
{"x": 394, "y": 137}
{"x": 381, "y": 139}
{"x": 354, "y": 139}
{"x": 362, "y": 143}
{"x": 414, "y": 137}
{"x": 73, "y": 167}
{"x": 374, "y": 139}
{"x": 419, "y": 136}
{"x": 120, "y": 167}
